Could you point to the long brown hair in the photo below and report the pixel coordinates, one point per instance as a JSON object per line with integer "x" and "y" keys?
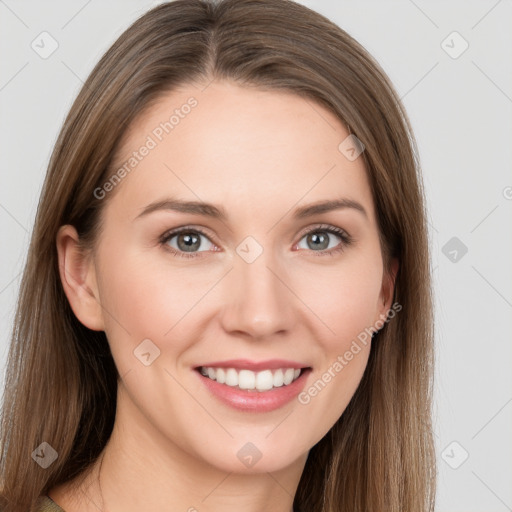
{"x": 61, "y": 380}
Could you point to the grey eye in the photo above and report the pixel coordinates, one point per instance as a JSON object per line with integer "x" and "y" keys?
{"x": 187, "y": 241}
{"x": 319, "y": 240}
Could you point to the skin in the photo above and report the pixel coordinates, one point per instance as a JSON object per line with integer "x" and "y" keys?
{"x": 259, "y": 155}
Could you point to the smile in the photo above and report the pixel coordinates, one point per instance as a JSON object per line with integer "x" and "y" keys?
{"x": 257, "y": 387}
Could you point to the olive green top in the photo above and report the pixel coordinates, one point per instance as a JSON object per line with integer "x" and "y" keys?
{"x": 46, "y": 504}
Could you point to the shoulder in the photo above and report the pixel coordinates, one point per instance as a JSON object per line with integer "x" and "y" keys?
{"x": 46, "y": 504}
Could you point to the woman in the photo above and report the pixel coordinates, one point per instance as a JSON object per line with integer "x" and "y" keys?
{"x": 227, "y": 299}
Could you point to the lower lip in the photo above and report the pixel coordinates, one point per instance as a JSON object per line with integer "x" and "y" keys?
{"x": 256, "y": 401}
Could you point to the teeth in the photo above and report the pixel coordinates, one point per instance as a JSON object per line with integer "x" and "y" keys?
{"x": 264, "y": 380}
{"x": 278, "y": 378}
{"x": 249, "y": 380}
{"x": 221, "y": 375}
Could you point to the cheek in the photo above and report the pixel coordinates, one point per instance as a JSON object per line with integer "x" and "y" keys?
{"x": 149, "y": 298}
{"x": 343, "y": 297}
{"x": 148, "y": 295}
{"x": 345, "y": 302}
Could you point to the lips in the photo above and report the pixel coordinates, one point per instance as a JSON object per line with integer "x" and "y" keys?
{"x": 254, "y": 386}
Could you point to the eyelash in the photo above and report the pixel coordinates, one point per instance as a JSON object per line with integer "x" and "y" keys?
{"x": 346, "y": 240}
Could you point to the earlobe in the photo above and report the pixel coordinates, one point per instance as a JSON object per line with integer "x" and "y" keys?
{"x": 78, "y": 278}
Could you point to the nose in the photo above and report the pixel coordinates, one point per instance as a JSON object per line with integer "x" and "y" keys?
{"x": 257, "y": 299}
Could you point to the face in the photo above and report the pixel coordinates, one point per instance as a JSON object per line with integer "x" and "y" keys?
{"x": 256, "y": 280}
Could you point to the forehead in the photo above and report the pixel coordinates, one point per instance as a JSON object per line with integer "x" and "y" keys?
{"x": 239, "y": 146}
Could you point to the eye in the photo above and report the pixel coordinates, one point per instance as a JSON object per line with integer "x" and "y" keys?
{"x": 320, "y": 240}
{"x": 185, "y": 242}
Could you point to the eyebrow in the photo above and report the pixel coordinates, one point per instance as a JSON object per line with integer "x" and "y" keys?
{"x": 218, "y": 212}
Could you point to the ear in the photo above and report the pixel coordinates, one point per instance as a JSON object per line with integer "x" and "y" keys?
{"x": 388, "y": 287}
{"x": 78, "y": 277}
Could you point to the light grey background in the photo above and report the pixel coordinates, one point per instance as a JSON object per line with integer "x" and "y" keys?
{"x": 460, "y": 109}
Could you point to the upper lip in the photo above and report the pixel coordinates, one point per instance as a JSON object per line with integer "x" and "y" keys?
{"x": 245, "y": 364}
